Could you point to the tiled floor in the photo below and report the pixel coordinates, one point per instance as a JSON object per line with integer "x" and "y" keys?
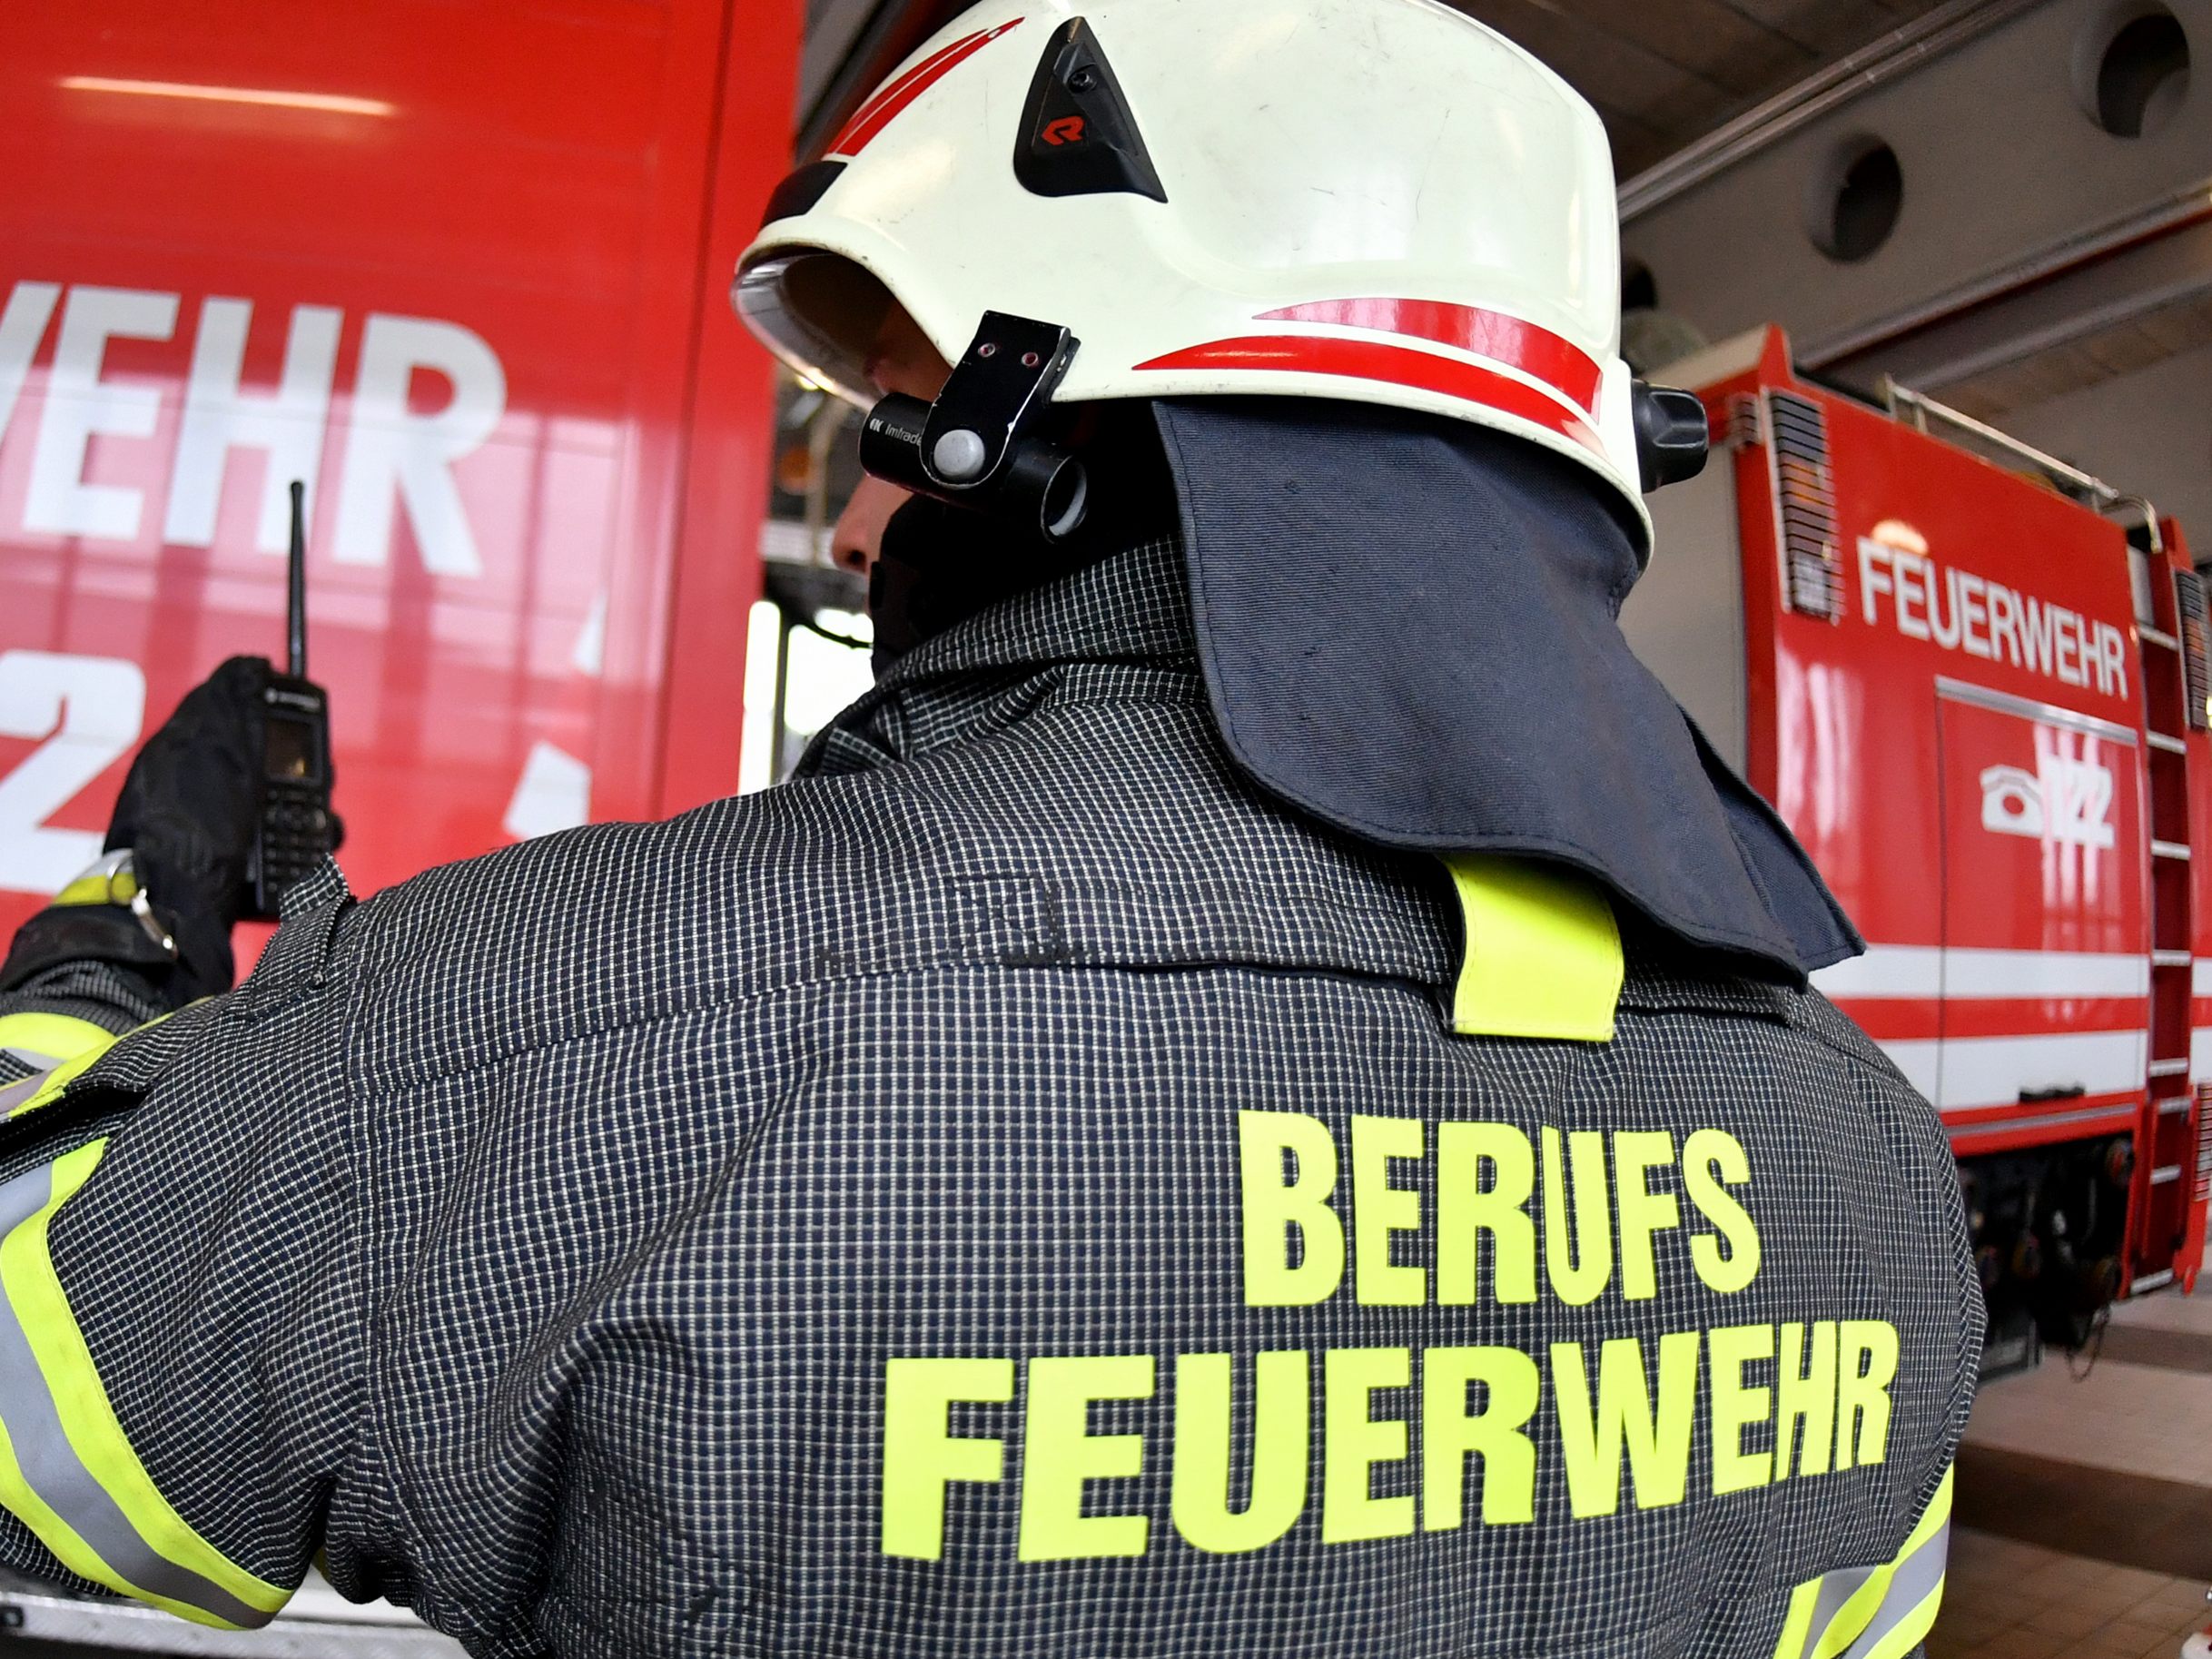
{"x": 2132, "y": 1413}
{"x": 2007, "y": 1600}
{"x": 2088, "y": 1501}
{"x": 2164, "y": 1312}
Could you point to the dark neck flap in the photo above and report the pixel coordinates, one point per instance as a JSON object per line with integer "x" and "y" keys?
{"x": 1408, "y": 630}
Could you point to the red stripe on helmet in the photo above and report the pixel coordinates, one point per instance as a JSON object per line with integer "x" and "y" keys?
{"x": 1361, "y": 360}
{"x": 1554, "y": 361}
{"x": 888, "y": 104}
{"x": 923, "y": 73}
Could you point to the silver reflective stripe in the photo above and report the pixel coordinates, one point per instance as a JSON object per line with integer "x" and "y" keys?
{"x": 18, "y": 1094}
{"x": 1911, "y": 1584}
{"x": 36, "y": 1060}
{"x": 49, "y": 1466}
{"x": 1836, "y": 1588}
{"x": 1919, "y": 1576}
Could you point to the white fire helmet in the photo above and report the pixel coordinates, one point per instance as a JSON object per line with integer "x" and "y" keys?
{"x": 1379, "y": 200}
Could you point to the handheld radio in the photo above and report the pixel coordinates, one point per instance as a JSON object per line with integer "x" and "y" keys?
{"x": 297, "y": 829}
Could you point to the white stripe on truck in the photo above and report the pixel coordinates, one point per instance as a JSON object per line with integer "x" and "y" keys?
{"x": 1895, "y": 971}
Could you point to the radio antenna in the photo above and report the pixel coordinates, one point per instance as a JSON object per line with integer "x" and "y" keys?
{"x": 296, "y": 586}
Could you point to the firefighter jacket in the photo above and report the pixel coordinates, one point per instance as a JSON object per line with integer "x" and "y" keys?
{"x": 1018, "y": 1191}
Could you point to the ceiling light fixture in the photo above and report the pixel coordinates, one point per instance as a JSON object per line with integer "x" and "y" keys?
{"x": 328, "y": 103}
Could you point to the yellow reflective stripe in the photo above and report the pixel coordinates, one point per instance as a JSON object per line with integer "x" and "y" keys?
{"x": 54, "y": 1036}
{"x": 1910, "y": 1630}
{"x": 1853, "y": 1616}
{"x": 1912, "y": 1615}
{"x": 19, "y": 1500}
{"x": 61, "y": 1539}
{"x": 1542, "y": 951}
{"x": 92, "y": 1484}
{"x": 99, "y": 888}
{"x": 53, "y": 1083}
{"x": 1798, "y": 1624}
{"x": 1874, "y": 1613}
{"x": 80, "y": 1044}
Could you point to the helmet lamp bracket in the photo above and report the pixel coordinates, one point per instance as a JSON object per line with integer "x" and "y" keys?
{"x": 976, "y": 446}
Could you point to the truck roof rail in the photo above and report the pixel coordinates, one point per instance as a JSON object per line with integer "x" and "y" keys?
{"x": 2102, "y": 496}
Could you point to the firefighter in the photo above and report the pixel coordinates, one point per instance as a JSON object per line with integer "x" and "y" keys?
{"x": 1258, "y": 1095}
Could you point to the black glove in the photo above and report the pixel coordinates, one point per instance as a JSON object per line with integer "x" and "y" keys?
{"x": 190, "y": 810}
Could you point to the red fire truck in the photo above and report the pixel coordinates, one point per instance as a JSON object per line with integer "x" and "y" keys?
{"x": 1975, "y": 685}
{"x": 462, "y": 269}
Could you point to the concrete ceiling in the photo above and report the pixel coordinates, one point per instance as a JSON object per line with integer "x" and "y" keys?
{"x": 1662, "y": 73}
{"x": 1665, "y": 73}
{"x": 2099, "y": 354}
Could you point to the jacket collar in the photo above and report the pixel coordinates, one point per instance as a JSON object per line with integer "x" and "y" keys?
{"x": 1132, "y": 608}
{"x": 1384, "y": 714}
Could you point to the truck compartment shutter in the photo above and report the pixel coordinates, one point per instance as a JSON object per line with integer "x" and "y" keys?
{"x": 2196, "y": 646}
{"x": 1805, "y": 502}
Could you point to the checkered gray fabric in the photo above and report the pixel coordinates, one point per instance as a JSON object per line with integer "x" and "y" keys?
{"x": 534, "y": 1237}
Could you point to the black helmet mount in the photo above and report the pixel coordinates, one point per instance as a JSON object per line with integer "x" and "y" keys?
{"x": 977, "y": 446}
{"x": 1672, "y": 436}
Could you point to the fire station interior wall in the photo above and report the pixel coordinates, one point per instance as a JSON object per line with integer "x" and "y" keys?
{"x": 1684, "y": 619}
{"x": 2004, "y": 168}
{"x": 2150, "y": 430}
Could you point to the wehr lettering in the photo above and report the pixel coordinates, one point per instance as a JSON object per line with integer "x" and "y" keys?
{"x": 396, "y": 456}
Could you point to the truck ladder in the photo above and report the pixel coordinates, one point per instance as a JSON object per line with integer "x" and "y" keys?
{"x": 2172, "y": 646}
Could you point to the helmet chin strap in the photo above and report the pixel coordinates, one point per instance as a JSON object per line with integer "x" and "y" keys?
{"x": 976, "y": 447}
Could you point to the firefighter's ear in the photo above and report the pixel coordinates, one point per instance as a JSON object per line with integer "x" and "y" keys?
{"x": 1672, "y": 436}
